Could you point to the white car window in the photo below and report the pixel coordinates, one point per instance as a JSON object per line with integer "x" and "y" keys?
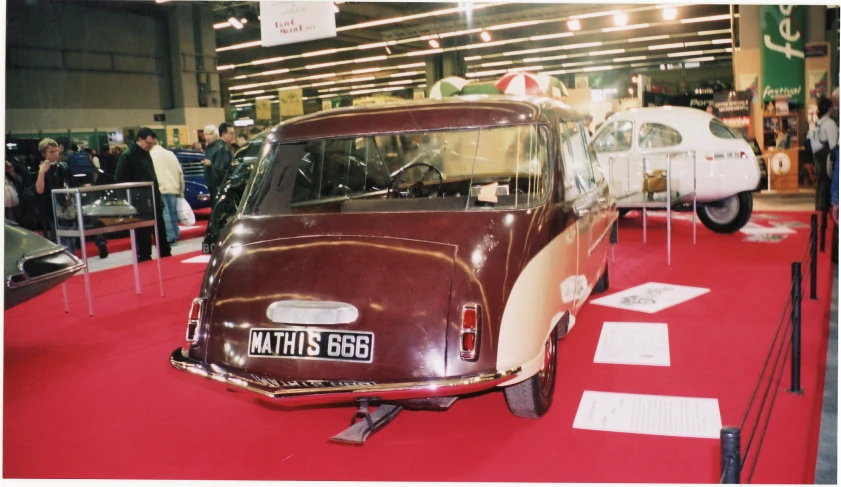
{"x": 656, "y": 135}
{"x": 616, "y": 137}
{"x": 578, "y": 174}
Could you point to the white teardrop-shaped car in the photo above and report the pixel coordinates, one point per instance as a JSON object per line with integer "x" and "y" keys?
{"x": 725, "y": 169}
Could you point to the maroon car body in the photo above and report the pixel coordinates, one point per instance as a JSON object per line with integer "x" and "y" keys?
{"x": 401, "y": 252}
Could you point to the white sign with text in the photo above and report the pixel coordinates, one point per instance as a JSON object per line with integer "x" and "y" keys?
{"x": 651, "y": 297}
{"x": 291, "y": 22}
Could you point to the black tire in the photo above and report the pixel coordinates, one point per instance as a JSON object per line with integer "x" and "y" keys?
{"x": 532, "y": 398}
{"x": 603, "y": 283}
{"x": 728, "y": 215}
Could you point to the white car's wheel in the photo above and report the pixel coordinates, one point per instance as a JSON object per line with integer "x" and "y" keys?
{"x": 533, "y": 397}
{"x": 727, "y": 215}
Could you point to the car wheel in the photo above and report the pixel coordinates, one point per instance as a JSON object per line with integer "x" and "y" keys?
{"x": 533, "y": 397}
{"x": 727, "y": 215}
{"x": 603, "y": 283}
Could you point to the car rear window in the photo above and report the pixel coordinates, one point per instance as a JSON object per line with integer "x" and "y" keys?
{"x": 720, "y": 130}
{"x": 497, "y": 167}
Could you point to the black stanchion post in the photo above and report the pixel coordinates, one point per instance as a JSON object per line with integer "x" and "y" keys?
{"x": 614, "y": 232}
{"x": 823, "y": 230}
{"x": 813, "y": 259}
{"x": 795, "y": 328}
{"x": 731, "y": 461}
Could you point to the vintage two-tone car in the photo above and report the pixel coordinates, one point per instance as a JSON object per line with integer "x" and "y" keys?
{"x": 33, "y": 265}
{"x": 407, "y": 254}
{"x": 725, "y": 169}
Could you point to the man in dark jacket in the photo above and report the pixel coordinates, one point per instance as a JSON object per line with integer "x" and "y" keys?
{"x": 135, "y": 166}
{"x": 219, "y": 155}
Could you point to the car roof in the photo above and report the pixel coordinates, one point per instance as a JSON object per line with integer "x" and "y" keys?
{"x": 423, "y": 115}
{"x": 683, "y": 116}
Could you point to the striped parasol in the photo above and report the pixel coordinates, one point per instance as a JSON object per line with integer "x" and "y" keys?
{"x": 448, "y": 86}
{"x": 525, "y": 83}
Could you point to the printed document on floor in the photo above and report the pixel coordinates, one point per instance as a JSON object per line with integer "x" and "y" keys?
{"x": 651, "y": 297}
{"x": 199, "y": 259}
{"x": 633, "y": 344}
{"x": 688, "y": 417}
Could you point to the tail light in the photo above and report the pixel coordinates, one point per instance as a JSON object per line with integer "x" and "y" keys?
{"x": 194, "y": 321}
{"x": 471, "y": 323}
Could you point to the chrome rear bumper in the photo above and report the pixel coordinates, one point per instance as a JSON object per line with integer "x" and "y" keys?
{"x": 305, "y": 392}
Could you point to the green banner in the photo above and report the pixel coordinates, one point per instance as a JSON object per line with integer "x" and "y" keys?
{"x": 782, "y": 52}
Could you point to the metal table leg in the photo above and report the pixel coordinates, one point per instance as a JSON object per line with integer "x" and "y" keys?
{"x": 134, "y": 261}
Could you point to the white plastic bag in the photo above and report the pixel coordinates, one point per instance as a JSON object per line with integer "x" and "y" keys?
{"x": 185, "y": 213}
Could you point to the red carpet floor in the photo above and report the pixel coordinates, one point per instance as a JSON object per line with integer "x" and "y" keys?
{"x": 120, "y": 244}
{"x": 96, "y": 397}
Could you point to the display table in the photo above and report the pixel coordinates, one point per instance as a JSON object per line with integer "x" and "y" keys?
{"x": 635, "y": 197}
{"x": 94, "y": 210}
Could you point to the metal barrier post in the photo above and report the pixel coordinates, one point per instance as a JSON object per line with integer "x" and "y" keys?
{"x": 813, "y": 259}
{"x": 795, "y": 328}
{"x": 731, "y": 462}
{"x": 823, "y": 230}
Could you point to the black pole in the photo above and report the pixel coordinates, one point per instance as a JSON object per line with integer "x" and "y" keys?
{"x": 823, "y": 230}
{"x": 731, "y": 463}
{"x": 813, "y": 261}
{"x": 614, "y": 232}
{"x": 795, "y": 328}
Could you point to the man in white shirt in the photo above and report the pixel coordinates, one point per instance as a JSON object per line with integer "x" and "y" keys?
{"x": 170, "y": 178}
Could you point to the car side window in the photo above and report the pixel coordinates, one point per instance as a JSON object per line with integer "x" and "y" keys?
{"x": 578, "y": 172}
{"x": 616, "y": 137}
{"x": 720, "y": 130}
{"x": 656, "y": 135}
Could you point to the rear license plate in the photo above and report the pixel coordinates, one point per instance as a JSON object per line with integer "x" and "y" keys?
{"x": 346, "y": 346}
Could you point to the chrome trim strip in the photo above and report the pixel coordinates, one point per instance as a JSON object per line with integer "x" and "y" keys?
{"x": 321, "y": 392}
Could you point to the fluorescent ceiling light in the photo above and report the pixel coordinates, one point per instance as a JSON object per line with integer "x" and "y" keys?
{"x": 722, "y": 41}
{"x": 625, "y": 27}
{"x": 472, "y": 58}
{"x": 255, "y": 92}
{"x": 485, "y": 36}
{"x": 434, "y": 43}
{"x": 705, "y": 19}
{"x": 497, "y": 63}
{"x": 221, "y": 25}
{"x": 359, "y": 87}
{"x": 224, "y": 67}
{"x": 267, "y": 60}
{"x": 367, "y": 70}
{"x": 372, "y": 46}
{"x": 525, "y": 68}
{"x": 713, "y": 32}
{"x": 401, "y": 82}
{"x": 649, "y": 38}
{"x": 479, "y": 74}
{"x": 355, "y": 80}
{"x": 242, "y": 76}
{"x": 609, "y": 51}
{"x": 412, "y": 65}
{"x": 239, "y": 46}
{"x": 700, "y": 59}
{"x": 582, "y": 45}
{"x": 370, "y": 59}
{"x": 274, "y": 71}
{"x": 551, "y": 36}
{"x": 460, "y": 32}
{"x": 669, "y": 13}
{"x": 574, "y": 25}
{"x": 424, "y": 53}
{"x": 692, "y": 65}
{"x": 266, "y": 97}
{"x": 600, "y": 68}
{"x": 665, "y": 46}
{"x": 595, "y": 14}
{"x": 697, "y": 43}
{"x": 557, "y": 71}
{"x": 319, "y": 53}
{"x": 406, "y": 73}
{"x": 288, "y": 88}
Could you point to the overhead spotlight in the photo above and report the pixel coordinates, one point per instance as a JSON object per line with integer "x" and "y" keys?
{"x": 631, "y": 91}
{"x": 634, "y": 78}
{"x": 388, "y": 49}
{"x": 434, "y": 43}
{"x": 485, "y": 36}
{"x": 620, "y": 19}
{"x": 235, "y": 22}
{"x": 669, "y": 13}
{"x": 244, "y": 20}
{"x": 574, "y": 24}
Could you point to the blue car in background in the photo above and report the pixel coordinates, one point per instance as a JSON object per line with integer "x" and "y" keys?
{"x": 195, "y": 186}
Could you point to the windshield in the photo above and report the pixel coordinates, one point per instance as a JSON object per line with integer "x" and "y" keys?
{"x": 497, "y": 167}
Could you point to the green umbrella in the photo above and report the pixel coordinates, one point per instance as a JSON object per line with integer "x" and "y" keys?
{"x": 480, "y": 89}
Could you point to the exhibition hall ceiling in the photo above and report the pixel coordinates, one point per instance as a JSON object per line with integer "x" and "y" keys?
{"x": 381, "y": 48}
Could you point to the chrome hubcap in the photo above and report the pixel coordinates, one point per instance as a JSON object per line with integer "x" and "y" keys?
{"x": 725, "y": 212}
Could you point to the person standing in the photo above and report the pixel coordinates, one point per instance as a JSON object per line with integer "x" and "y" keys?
{"x": 52, "y": 174}
{"x": 171, "y": 184}
{"x": 218, "y": 157}
{"x": 134, "y": 166}
{"x": 823, "y": 139}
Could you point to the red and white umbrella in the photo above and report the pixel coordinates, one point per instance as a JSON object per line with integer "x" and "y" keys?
{"x": 525, "y": 83}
